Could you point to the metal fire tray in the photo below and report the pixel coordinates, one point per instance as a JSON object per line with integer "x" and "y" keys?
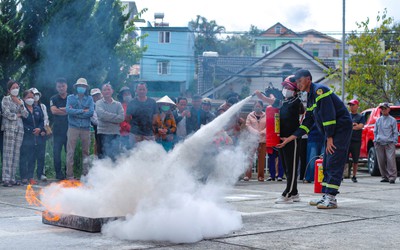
{"x": 77, "y": 222}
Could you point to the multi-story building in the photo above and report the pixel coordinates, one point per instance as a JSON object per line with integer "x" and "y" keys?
{"x": 324, "y": 47}
{"x": 317, "y": 44}
{"x": 274, "y": 37}
{"x": 168, "y": 64}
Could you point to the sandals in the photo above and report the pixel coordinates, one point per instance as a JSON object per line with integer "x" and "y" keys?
{"x": 246, "y": 178}
{"x": 260, "y": 178}
{"x": 11, "y": 183}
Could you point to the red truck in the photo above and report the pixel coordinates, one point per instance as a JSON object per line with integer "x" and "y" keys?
{"x": 367, "y": 152}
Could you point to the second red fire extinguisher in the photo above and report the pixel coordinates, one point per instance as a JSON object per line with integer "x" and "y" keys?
{"x": 318, "y": 176}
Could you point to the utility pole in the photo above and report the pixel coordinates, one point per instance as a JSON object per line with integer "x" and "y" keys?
{"x": 343, "y": 46}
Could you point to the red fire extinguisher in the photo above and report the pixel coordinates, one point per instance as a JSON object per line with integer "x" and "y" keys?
{"x": 272, "y": 126}
{"x": 318, "y": 176}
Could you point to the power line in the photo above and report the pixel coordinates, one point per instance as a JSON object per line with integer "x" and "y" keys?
{"x": 333, "y": 33}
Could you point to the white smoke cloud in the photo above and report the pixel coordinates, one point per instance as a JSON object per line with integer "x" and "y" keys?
{"x": 160, "y": 194}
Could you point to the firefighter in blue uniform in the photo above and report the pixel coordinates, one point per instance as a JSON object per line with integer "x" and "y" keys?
{"x": 329, "y": 113}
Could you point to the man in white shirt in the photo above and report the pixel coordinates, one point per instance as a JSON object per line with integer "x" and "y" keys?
{"x": 180, "y": 115}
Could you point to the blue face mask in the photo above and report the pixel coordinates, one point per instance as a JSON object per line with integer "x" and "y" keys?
{"x": 80, "y": 90}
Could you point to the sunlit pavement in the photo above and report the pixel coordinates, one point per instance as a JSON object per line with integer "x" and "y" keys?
{"x": 368, "y": 217}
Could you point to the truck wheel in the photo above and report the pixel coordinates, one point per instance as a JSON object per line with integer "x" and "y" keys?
{"x": 373, "y": 167}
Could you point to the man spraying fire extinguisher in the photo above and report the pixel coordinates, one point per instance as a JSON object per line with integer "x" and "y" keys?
{"x": 290, "y": 107}
{"x": 329, "y": 113}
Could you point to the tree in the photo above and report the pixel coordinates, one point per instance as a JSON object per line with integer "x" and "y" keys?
{"x": 77, "y": 38}
{"x": 375, "y": 70}
{"x": 70, "y": 45}
{"x": 127, "y": 50}
{"x": 391, "y": 38}
{"x": 237, "y": 45}
{"x": 240, "y": 44}
{"x": 206, "y": 34}
{"x": 10, "y": 36}
{"x": 36, "y": 14}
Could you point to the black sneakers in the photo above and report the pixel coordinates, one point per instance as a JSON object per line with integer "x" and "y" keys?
{"x": 354, "y": 179}
{"x": 384, "y": 180}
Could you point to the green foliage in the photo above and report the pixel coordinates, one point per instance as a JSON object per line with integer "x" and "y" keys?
{"x": 43, "y": 40}
{"x": 36, "y": 14}
{"x": 237, "y": 45}
{"x": 128, "y": 52}
{"x": 240, "y": 45}
{"x": 206, "y": 34}
{"x": 374, "y": 70}
{"x": 49, "y": 163}
{"x": 10, "y": 36}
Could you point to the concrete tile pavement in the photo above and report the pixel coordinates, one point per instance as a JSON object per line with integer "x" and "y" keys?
{"x": 368, "y": 217}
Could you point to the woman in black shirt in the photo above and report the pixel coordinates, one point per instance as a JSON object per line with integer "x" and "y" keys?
{"x": 290, "y": 109}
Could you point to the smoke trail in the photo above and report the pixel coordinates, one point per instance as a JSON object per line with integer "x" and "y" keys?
{"x": 160, "y": 193}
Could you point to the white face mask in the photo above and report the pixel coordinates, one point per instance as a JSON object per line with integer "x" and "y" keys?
{"x": 287, "y": 93}
{"x": 37, "y": 97}
{"x": 29, "y": 101}
{"x": 14, "y": 92}
{"x": 303, "y": 96}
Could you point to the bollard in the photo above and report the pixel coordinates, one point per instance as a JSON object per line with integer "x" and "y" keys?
{"x": 318, "y": 176}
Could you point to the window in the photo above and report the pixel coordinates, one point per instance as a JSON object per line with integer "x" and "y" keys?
{"x": 163, "y": 68}
{"x": 315, "y": 52}
{"x": 164, "y": 37}
{"x": 264, "y": 49}
{"x": 336, "y": 53}
{"x": 278, "y": 29}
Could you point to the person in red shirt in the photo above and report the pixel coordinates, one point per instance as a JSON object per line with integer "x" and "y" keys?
{"x": 125, "y": 96}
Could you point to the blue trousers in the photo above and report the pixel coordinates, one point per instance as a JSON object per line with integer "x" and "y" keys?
{"x": 314, "y": 149}
{"x": 271, "y": 165}
{"x": 333, "y": 164}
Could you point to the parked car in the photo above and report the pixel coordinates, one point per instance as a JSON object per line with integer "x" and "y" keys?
{"x": 367, "y": 151}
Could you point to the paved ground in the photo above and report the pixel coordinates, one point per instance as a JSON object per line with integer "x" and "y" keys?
{"x": 368, "y": 217}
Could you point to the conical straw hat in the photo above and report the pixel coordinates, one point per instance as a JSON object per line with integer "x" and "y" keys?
{"x": 166, "y": 100}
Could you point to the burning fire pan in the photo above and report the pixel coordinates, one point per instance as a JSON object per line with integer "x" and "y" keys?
{"x": 87, "y": 224}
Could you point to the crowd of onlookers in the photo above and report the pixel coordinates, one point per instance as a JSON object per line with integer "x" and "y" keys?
{"x": 119, "y": 124}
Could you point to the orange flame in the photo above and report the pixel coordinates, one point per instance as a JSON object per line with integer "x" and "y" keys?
{"x": 50, "y": 216}
{"x": 70, "y": 183}
{"x": 32, "y": 198}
